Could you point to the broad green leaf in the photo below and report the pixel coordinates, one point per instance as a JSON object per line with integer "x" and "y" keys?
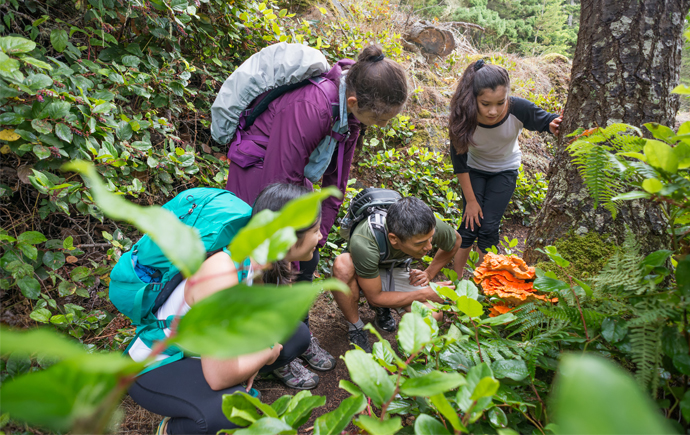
{"x": 32, "y": 237}
{"x": 469, "y": 307}
{"x": 592, "y": 395}
{"x": 657, "y": 258}
{"x": 652, "y": 185}
{"x": 374, "y": 426}
{"x": 41, "y": 151}
{"x": 447, "y": 410}
{"x": 7, "y": 64}
{"x": 473, "y": 377}
{"x": 514, "y": 369}
{"x": 467, "y": 288}
{"x": 613, "y": 330}
{"x": 661, "y": 156}
{"x": 245, "y": 319}
{"x": 548, "y": 284}
{"x": 58, "y": 38}
{"x": 239, "y": 410}
{"x": 498, "y": 320}
{"x": 427, "y": 425}
{"x": 334, "y": 422}
{"x": 280, "y": 405}
{"x": 369, "y": 376}
{"x": 683, "y": 276}
{"x": 660, "y": 131}
{"x": 302, "y": 411}
{"x": 54, "y": 259}
{"x": 41, "y": 315}
{"x": 28, "y": 250}
{"x": 267, "y": 425}
{"x": 41, "y": 342}
{"x": 56, "y": 110}
{"x": 256, "y": 239}
{"x": 350, "y": 387}
{"x": 413, "y": 333}
{"x": 497, "y": 417}
{"x": 63, "y": 132}
{"x": 682, "y": 151}
{"x": 487, "y": 387}
{"x": 67, "y": 392}
{"x": 38, "y": 81}
{"x": 37, "y": 63}
{"x": 67, "y": 288}
{"x": 164, "y": 228}
{"x": 444, "y": 291}
{"x": 29, "y": 286}
{"x": 15, "y": 44}
{"x": 432, "y": 383}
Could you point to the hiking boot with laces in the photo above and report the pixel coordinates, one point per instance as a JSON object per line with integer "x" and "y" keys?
{"x": 317, "y": 357}
{"x": 359, "y": 337}
{"x": 383, "y": 319}
{"x": 295, "y": 375}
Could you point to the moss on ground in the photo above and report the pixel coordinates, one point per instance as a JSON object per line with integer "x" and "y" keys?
{"x": 587, "y": 255}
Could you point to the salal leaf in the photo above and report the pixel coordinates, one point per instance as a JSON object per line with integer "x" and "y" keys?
{"x": 592, "y": 395}
{"x": 413, "y": 332}
{"x": 427, "y": 425}
{"x": 269, "y": 235}
{"x": 334, "y": 422}
{"x": 432, "y": 383}
{"x": 369, "y": 376}
{"x": 180, "y": 243}
{"x": 374, "y": 426}
{"x": 245, "y": 319}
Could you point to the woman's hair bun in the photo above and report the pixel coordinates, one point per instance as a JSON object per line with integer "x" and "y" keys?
{"x": 372, "y": 53}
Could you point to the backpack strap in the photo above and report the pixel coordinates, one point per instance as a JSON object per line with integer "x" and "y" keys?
{"x": 377, "y": 225}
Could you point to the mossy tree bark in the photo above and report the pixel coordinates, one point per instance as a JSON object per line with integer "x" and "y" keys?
{"x": 626, "y": 63}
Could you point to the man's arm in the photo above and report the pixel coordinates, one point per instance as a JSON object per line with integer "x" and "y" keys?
{"x": 374, "y": 294}
{"x": 442, "y": 258}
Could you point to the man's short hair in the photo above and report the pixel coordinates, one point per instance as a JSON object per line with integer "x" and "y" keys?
{"x": 410, "y": 217}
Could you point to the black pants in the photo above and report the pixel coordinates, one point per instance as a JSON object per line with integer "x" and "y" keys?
{"x": 179, "y": 390}
{"x": 493, "y": 192}
{"x": 306, "y": 273}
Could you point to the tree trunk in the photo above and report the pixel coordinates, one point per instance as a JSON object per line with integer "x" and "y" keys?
{"x": 431, "y": 38}
{"x": 626, "y": 63}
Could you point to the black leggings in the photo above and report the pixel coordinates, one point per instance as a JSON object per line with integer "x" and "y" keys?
{"x": 179, "y": 390}
{"x": 306, "y": 272}
{"x": 493, "y": 192}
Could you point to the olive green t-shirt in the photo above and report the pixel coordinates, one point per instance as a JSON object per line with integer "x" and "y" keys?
{"x": 365, "y": 250}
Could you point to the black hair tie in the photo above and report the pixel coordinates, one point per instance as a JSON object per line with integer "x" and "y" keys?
{"x": 479, "y": 64}
{"x": 377, "y": 58}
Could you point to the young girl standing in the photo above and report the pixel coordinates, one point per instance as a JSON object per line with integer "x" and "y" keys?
{"x": 484, "y": 125}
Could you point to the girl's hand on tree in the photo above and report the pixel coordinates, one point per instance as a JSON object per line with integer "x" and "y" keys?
{"x": 473, "y": 213}
{"x": 554, "y": 126}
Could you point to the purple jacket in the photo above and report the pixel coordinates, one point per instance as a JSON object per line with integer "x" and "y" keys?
{"x": 295, "y": 123}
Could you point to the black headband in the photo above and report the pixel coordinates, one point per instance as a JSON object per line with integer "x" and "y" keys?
{"x": 377, "y": 58}
{"x": 479, "y": 64}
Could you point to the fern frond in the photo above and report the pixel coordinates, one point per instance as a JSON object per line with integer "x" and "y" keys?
{"x": 622, "y": 273}
{"x": 528, "y": 319}
{"x": 592, "y": 157}
{"x": 645, "y": 341}
{"x": 571, "y": 315}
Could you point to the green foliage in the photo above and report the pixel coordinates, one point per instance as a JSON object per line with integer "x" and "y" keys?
{"x": 529, "y": 194}
{"x": 531, "y": 27}
{"x": 593, "y": 395}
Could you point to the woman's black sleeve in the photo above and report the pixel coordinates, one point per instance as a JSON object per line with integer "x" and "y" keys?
{"x": 532, "y": 117}
{"x": 459, "y": 162}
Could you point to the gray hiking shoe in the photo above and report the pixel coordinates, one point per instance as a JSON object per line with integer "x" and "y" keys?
{"x": 359, "y": 337}
{"x": 295, "y": 375}
{"x": 317, "y": 357}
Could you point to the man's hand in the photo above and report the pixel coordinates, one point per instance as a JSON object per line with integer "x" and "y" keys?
{"x": 419, "y": 278}
{"x": 554, "y": 126}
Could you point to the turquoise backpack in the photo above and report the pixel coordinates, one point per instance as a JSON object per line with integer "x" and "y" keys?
{"x": 143, "y": 278}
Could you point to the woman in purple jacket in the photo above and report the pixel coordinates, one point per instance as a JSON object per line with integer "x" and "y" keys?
{"x": 375, "y": 90}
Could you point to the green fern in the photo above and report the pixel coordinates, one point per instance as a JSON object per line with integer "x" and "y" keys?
{"x": 623, "y": 274}
{"x": 593, "y": 156}
{"x": 571, "y": 315}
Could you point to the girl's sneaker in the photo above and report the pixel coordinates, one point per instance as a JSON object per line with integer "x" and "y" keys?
{"x": 295, "y": 375}
{"x": 317, "y": 357}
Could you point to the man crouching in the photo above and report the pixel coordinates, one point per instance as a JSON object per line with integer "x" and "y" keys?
{"x": 409, "y": 230}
